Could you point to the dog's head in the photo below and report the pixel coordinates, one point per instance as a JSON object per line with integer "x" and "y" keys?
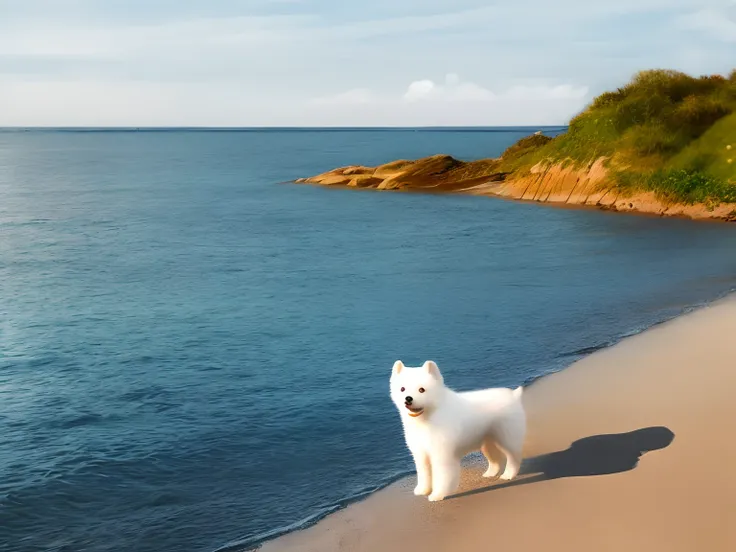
{"x": 415, "y": 391}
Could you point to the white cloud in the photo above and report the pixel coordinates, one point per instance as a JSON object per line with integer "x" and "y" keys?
{"x": 452, "y": 90}
{"x": 420, "y": 90}
{"x": 451, "y": 102}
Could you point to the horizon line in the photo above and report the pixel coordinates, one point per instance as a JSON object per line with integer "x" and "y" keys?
{"x": 144, "y": 128}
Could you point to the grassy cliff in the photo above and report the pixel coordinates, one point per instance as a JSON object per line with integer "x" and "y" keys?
{"x": 665, "y": 132}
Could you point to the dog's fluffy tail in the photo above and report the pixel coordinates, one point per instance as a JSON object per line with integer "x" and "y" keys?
{"x": 517, "y": 392}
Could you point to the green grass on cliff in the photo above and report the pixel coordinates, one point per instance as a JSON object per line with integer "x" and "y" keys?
{"x": 665, "y": 131}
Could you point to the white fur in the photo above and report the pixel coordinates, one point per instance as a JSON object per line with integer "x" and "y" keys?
{"x": 446, "y": 426}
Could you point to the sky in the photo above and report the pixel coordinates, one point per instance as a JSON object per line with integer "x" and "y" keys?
{"x": 341, "y": 62}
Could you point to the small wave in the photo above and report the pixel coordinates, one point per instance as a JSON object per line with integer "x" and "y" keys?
{"x": 585, "y": 350}
{"x": 80, "y": 420}
{"x": 253, "y": 543}
{"x": 145, "y": 393}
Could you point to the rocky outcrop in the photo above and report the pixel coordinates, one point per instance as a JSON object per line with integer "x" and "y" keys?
{"x": 551, "y": 183}
{"x": 440, "y": 173}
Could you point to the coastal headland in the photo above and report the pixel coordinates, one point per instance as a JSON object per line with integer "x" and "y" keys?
{"x": 663, "y": 144}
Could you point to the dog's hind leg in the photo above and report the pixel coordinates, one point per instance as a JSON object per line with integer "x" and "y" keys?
{"x": 510, "y": 440}
{"x": 513, "y": 461}
{"x": 491, "y": 452}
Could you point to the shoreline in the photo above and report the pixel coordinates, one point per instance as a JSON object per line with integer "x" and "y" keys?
{"x": 556, "y": 185}
{"x": 556, "y": 205}
{"x": 369, "y": 516}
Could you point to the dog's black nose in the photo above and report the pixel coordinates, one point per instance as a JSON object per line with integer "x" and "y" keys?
{"x": 408, "y": 400}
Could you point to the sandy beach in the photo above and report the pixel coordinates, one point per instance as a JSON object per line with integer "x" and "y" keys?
{"x": 628, "y": 449}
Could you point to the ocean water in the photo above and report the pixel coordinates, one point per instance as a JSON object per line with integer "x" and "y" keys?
{"x": 194, "y": 353}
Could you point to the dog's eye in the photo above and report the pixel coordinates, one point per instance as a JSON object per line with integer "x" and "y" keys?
{"x": 403, "y": 389}
{"x": 421, "y": 389}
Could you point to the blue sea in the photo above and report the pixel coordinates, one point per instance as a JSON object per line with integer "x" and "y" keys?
{"x": 194, "y": 352}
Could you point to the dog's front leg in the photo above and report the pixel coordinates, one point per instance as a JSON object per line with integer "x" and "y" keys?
{"x": 424, "y": 473}
{"x": 445, "y": 476}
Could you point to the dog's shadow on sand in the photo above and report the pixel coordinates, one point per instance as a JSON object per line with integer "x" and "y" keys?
{"x": 595, "y": 455}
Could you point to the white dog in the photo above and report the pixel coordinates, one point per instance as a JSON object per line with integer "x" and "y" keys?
{"x": 442, "y": 426}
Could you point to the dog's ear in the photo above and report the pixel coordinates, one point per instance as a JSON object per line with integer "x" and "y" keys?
{"x": 398, "y": 366}
{"x": 431, "y": 367}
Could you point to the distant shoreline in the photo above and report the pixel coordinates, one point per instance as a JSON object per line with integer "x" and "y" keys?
{"x": 553, "y": 128}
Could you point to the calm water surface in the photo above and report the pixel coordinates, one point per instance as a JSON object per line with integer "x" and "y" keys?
{"x": 194, "y": 354}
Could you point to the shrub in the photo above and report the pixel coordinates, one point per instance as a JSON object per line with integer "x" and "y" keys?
{"x": 701, "y": 161}
{"x": 608, "y": 98}
{"x": 640, "y": 108}
{"x": 673, "y": 84}
{"x": 695, "y": 114}
{"x": 655, "y": 138}
{"x": 691, "y": 187}
{"x": 525, "y": 145}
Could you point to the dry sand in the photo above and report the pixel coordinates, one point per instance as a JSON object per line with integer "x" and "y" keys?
{"x": 630, "y": 449}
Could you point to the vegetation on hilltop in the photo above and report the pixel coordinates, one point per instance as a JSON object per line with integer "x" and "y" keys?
{"x": 665, "y": 132}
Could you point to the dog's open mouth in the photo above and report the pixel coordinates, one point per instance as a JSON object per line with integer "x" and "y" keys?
{"x": 414, "y": 412}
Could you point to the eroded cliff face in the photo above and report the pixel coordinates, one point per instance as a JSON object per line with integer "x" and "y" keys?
{"x": 560, "y": 184}
{"x": 549, "y": 183}
{"x": 592, "y": 186}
